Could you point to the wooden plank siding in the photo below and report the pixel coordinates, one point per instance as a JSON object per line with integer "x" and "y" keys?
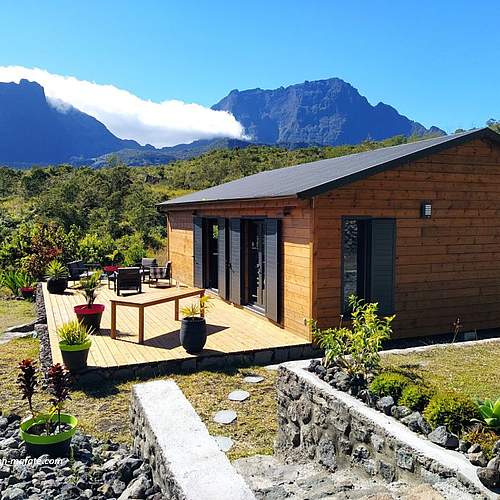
{"x": 296, "y": 217}
{"x": 447, "y": 266}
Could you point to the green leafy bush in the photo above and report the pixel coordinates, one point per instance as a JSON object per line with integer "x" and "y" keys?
{"x": 389, "y": 384}
{"x": 451, "y": 409}
{"x": 14, "y": 281}
{"x": 73, "y": 333}
{"x": 92, "y": 248}
{"x": 415, "y": 397}
{"x": 355, "y": 349}
{"x": 132, "y": 248}
{"x": 56, "y": 270}
{"x": 490, "y": 413}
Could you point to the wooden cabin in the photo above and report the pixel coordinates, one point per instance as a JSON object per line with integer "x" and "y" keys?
{"x": 414, "y": 227}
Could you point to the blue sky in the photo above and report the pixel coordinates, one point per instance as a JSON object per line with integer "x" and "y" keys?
{"x": 436, "y": 62}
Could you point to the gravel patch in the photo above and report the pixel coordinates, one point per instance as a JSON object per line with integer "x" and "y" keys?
{"x": 96, "y": 470}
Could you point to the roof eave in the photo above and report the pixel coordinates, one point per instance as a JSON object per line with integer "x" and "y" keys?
{"x": 165, "y": 207}
{"x": 328, "y": 186}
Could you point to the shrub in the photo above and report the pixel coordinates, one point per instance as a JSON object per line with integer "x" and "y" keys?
{"x": 133, "y": 249}
{"x": 13, "y": 280}
{"x": 415, "y": 397}
{"x": 389, "y": 384}
{"x": 355, "y": 349}
{"x": 486, "y": 438}
{"x": 56, "y": 270}
{"x": 91, "y": 248}
{"x": 451, "y": 409}
{"x": 73, "y": 333}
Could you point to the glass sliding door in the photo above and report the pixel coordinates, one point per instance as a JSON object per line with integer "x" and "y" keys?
{"x": 355, "y": 265}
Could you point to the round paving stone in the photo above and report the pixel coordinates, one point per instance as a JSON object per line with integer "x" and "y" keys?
{"x": 224, "y": 443}
{"x": 238, "y": 395}
{"x": 225, "y": 416}
{"x": 253, "y": 379}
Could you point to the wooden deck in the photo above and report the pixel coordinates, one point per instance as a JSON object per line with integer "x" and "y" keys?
{"x": 230, "y": 330}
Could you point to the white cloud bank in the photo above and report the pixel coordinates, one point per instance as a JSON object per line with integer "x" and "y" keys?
{"x": 158, "y": 123}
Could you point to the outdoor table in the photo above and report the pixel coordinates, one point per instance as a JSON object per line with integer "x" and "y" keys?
{"x": 142, "y": 301}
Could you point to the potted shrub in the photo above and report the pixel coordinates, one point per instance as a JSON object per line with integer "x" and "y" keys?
{"x": 74, "y": 342}
{"x": 90, "y": 314}
{"x": 193, "y": 333}
{"x": 57, "y": 277}
{"x": 27, "y": 286}
{"x": 50, "y": 432}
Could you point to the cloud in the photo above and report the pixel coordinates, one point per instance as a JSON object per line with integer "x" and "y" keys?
{"x": 163, "y": 123}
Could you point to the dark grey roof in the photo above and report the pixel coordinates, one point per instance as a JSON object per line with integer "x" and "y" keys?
{"x": 310, "y": 179}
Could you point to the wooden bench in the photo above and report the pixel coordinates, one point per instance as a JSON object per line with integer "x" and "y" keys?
{"x": 142, "y": 301}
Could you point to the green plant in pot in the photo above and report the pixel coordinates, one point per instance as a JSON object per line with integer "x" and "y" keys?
{"x": 48, "y": 432}
{"x": 57, "y": 277}
{"x": 27, "y": 285}
{"x": 74, "y": 343}
{"x": 193, "y": 333}
{"x": 90, "y": 314}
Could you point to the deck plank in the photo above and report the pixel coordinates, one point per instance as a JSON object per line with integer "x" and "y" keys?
{"x": 231, "y": 330}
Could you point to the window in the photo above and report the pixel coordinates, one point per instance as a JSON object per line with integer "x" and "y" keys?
{"x": 355, "y": 253}
{"x": 368, "y": 261}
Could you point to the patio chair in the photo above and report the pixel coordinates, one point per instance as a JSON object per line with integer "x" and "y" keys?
{"x": 145, "y": 265}
{"x": 128, "y": 278}
{"x": 78, "y": 270}
{"x": 161, "y": 273}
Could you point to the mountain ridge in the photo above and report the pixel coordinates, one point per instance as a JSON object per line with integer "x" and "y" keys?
{"x": 38, "y": 131}
{"x": 35, "y": 131}
{"x": 326, "y": 112}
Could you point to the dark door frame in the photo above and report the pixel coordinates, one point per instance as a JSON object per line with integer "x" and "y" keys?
{"x": 208, "y": 223}
{"x": 261, "y": 308}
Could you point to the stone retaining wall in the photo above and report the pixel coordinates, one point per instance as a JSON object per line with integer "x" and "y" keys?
{"x": 143, "y": 371}
{"x": 186, "y": 461}
{"x": 317, "y": 422}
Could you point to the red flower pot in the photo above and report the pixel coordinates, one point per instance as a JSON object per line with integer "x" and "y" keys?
{"x": 110, "y": 269}
{"x": 90, "y": 316}
{"x": 27, "y": 292}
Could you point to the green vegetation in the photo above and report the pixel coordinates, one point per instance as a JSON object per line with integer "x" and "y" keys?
{"x": 389, "y": 384}
{"x": 415, "y": 397}
{"x": 73, "y": 333}
{"x": 451, "y": 409}
{"x": 102, "y": 410}
{"x": 355, "y": 349}
{"x": 56, "y": 270}
{"x": 471, "y": 370}
{"x": 15, "y": 280}
{"x": 15, "y": 312}
{"x": 456, "y": 376}
{"x": 109, "y": 215}
{"x": 490, "y": 413}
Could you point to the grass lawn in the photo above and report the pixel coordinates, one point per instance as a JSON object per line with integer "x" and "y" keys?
{"x": 15, "y": 312}
{"x": 103, "y": 411}
{"x": 471, "y": 370}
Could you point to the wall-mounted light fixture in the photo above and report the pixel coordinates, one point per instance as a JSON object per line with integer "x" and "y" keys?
{"x": 426, "y": 210}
